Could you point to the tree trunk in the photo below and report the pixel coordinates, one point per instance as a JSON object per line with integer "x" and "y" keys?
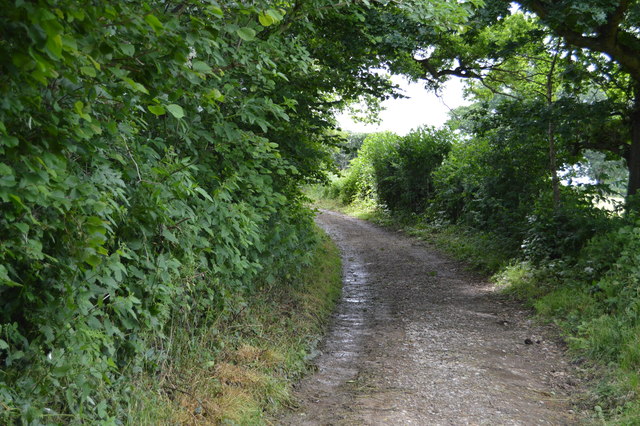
{"x": 553, "y": 166}
{"x": 551, "y": 137}
{"x": 634, "y": 155}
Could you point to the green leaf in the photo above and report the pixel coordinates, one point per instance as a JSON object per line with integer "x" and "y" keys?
{"x": 5, "y": 170}
{"x": 90, "y": 71}
{"x": 60, "y": 370}
{"x": 78, "y": 106}
{"x": 157, "y": 109}
{"x": 95, "y": 221}
{"x": 200, "y": 66}
{"x": 9, "y": 141}
{"x": 136, "y": 86}
{"x": 154, "y": 23}
{"x": 265, "y": 20}
{"x": 7, "y": 180}
{"x": 69, "y": 44}
{"x": 275, "y": 14}
{"x": 77, "y": 14}
{"x": 216, "y": 95}
{"x": 93, "y": 260}
{"x": 14, "y": 356}
{"x": 175, "y": 110}
{"x": 47, "y": 19}
{"x": 23, "y": 227}
{"x": 246, "y": 33}
{"x": 215, "y": 10}
{"x": 94, "y": 62}
{"x": 54, "y": 45}
{"x": 17, "y": 200}
{"x": 169, "y": 236}
{"x": 127, "y": 49}
{"x": 3, "y": 344}
{"x": 204, "y": 194}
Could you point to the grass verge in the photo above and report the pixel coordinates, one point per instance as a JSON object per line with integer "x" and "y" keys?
{"x": 241, "y": 369}
{"x": 604, "y": 341}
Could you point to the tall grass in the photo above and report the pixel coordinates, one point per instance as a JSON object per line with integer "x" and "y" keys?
{"x": 241, "y": 369}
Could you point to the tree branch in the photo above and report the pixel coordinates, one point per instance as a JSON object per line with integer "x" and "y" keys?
{"x": 460, "y": 71}
{"x": 607, "y": 41}
{"x": 496, "y": 91}
{"x": 609, "y": 30}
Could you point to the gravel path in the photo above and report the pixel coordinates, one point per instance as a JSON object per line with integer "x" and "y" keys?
{"x": 416, "y": 339}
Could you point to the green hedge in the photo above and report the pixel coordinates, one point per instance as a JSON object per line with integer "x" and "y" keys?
{"x": 397, "y": 171}
{"x": 143, "y": 174}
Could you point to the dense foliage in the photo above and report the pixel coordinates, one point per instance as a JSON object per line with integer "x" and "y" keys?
{"x": 396, "y": 171}
{"x": 150, "y": 159}
{"x": 492, "y": 204}
{"x": 531, "y": 189}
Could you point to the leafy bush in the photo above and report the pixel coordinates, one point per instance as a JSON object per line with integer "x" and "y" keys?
{"x": 359, "y": 180}
{"x": 394, "y": 170}
{"x": 487, "y": 183}
{"x": 491, "y": 179}
{"x": 150, "y": 156}
{"x": 355, "y": 182}
{"x": 403, "y": 172}
{"x": 561, "y": 232}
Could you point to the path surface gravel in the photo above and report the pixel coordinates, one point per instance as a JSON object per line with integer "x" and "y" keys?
{"x": 417, "y": 339}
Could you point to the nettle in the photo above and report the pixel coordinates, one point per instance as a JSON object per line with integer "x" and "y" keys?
{"x": 138, "y": 179}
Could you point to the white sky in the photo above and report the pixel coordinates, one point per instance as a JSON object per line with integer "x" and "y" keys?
{"x": 421, "y": 107}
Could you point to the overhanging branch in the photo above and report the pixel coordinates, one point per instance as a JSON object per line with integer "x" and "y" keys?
{"x": 609, "y": 38}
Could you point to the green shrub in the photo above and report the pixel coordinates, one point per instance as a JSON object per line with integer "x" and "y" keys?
{"x": 561, "y": 232}
{"x": 484, "y": 184}
{"x": 359, "y": 180}
{"x": 355, "y": 182}
{"x": 395, "y": 171}
{"x": 493, "y": 178}
{"x": 148, "y": 170}
{"x": 403, "y": 172}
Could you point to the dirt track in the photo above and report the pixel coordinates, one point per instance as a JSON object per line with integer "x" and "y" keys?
{"x": 418, "y": 340}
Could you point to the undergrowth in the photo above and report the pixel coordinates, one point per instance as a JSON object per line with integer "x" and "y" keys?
{"x": 241, "y": 369}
